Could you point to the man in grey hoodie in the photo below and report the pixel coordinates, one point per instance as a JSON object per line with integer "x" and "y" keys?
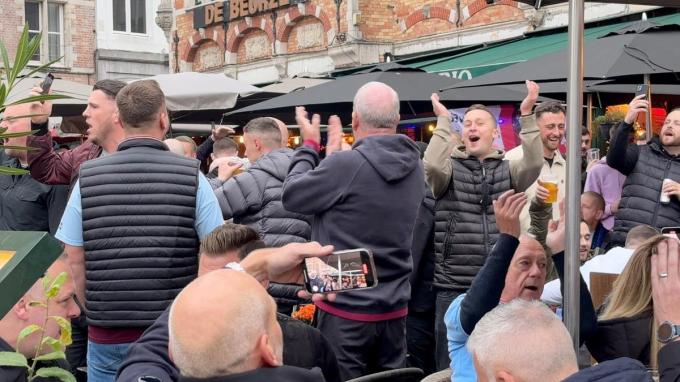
{"x": 364, "y": 197}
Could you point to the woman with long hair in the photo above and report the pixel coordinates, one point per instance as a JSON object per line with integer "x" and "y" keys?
{"x": 626, "y": 325}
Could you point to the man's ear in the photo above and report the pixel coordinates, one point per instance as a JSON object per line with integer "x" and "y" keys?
{"x": 355, "y": 121}
{"x": 20, "y": 309}
{"x": 164, "y": 123}
{"x": 504, "y": 376}
{"x": 212, "y": 156}
{"x": 599, "y": 214}
{"x": 267, "y": 353}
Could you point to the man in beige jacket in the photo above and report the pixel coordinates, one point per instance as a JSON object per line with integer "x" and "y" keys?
{"x": 466, "y": 174}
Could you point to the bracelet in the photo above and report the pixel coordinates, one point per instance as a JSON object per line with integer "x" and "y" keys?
{"x": 314, "y": 145}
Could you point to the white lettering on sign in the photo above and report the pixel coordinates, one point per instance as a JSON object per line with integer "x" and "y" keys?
{"x": 460, "y": 74}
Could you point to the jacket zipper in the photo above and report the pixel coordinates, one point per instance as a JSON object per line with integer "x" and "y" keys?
{"x": 484, "y": 219}
{"x": 656, "y": 207}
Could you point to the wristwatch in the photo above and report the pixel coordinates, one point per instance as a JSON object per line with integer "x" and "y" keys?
{"x": 667, "y": 332}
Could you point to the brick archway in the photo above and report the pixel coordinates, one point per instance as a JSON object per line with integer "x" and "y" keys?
{"x": 427, "y": 13}
{"x": 477, "y": 5}
{"x": 287, "y": 21}
{"x": 193, "y": 42}
{"x": 245, "y": 26}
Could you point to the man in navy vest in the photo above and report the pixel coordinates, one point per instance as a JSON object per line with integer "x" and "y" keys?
{"x": 132, "y": 228}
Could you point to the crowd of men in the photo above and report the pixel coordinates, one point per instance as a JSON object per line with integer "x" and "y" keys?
{"x": 185, "y": 261}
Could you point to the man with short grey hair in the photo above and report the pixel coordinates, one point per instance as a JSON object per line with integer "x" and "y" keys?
{"x": 253, "y": 198}
{"x": 522, "y": 341}
{"x": 366, "y": 197}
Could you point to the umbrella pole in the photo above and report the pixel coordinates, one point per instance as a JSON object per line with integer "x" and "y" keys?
{"x": 648, "y": 115}
{"x": 589, "y": 116}
{"x": 573, "y": 194}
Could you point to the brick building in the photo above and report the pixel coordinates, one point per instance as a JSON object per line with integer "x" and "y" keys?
{"x": 68, "y": 31}
{"x": 266, "y": 40}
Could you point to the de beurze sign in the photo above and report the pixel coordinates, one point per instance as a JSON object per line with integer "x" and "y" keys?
{"x": 222, "y": 12}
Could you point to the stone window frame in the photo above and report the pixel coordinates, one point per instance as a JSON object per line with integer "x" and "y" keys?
{"x": 128, "y": 19}
{"x": 43, "y": 22}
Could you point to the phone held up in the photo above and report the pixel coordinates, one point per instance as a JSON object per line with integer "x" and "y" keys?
{"x": 47, "y": 84}
{"x": 642, "y": 89}
{"x": 670, "y": 231}
{"x": 340, "y": 271}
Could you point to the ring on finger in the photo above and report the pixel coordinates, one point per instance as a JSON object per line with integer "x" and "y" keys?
{"x": 663, "y": 275}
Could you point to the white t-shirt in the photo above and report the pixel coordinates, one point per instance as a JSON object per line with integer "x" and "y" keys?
{"x": 614, "y": 261}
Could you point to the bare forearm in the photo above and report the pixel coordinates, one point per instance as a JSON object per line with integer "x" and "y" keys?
{"x": 525, "y": 170}
{"x": 76, "y": 259}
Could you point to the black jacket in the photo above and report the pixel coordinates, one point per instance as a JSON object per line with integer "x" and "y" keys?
{"x": 622, "y": 337}
{"x": 422, "y": 250}
{"x": 138, "y": 211}
{"x": 367, "y": 197}
{"x": 465, "y": 224}
{"x": 303, "y": 346}
{"x": 618, "y": 370}
{"x": 253, "y": 198}
{"x": 669, "y": 362}
{"x": 272, "y": 374}
{"x": 19, "y": 374}
{"x": 26, "y": 204}
{"x": 645, "y": 167}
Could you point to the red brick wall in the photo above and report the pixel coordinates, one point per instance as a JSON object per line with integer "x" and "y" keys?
{"x": 292, "y": 38}
{"x": 253, "y": 33}
{"x": 79, "y": 46}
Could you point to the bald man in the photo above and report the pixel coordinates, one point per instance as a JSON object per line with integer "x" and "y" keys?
{"x": 225, "y": 300}
{"x": 352, "y": 195}
{"x": 284, "y": 131}
{"x": 175, "y": 146}
{"x": 26, "y": 204}
{"x": 24, "y": 314}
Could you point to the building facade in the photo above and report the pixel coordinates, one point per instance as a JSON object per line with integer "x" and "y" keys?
{"x": 261, "y": 41}
{"x": 67, "y": 31}
{"x": 130, "y": 44}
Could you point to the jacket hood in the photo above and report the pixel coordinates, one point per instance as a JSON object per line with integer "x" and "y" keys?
{"x": 460, "y": 153}
{"x": 392, "y": 156}
{"x": 618, "y": 370}
{"x": 280, "y": 374}
{"x": 275, "y": 163}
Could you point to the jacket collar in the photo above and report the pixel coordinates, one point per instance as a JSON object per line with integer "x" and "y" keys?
{"x": 279, "y": 374}
{"x": 142, "y": 142}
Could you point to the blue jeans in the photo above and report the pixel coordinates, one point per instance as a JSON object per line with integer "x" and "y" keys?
{"x": 444, "y": 299}
{"x": 103, "y": 360}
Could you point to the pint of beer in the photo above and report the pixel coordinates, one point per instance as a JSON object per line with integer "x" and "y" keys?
{"x": 549, "y": 181}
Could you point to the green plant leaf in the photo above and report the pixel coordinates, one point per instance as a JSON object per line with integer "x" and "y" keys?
{"x": 24, "y": 148}
{"x": 55, "y": 286}
{"x": 37, "y": 303}
{"x": 53, "y": 343}
{"x": 51, "y": 356}
{"x": 43, "y": 67}
{"x": 5, "y": 58}
{"x": 38, "y": 98}
{"x": 55, "y": 372}
{"x": 46, "y": 281}
{"x": 15, "y": 135}
{"x": 12, "y": 171}
{"x": 10, "y": 358}
{"x": 65, "y": 326}
{"x": 27, "y": 331}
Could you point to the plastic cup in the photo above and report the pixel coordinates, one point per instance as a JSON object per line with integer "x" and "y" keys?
{"x": 550, "y": 183}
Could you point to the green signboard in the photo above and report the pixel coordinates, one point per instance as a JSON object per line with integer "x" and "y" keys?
{"x": 24, "y": 258}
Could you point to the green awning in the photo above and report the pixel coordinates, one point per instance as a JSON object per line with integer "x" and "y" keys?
{"x": 473, "y": 64}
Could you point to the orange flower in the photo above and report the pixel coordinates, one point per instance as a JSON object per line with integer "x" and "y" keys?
{"x": 305, "y": 313}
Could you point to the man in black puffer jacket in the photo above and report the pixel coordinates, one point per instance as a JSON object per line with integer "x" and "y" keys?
{"x": 253, "y": 198}
{"x": 646, "y": 167}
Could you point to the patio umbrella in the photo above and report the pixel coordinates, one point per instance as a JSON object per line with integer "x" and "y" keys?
{"x": 663, "y": 3}
{"x": 414, "y": 87}
{"x": 641, "y": 48}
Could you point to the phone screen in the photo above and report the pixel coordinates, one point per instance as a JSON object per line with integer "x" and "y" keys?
{"x": 670, "y": 230}
{"x": 47, "y": 83}
{"x": 340, "y": 271}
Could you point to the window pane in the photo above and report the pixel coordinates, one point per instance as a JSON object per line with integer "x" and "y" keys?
{"x": 119, "y": 15}
{"x": 33, "y": 16}
{"x": 53, "y": 19}
{"x": 138, "y": 16}
{"x": 36, "y": 56}
{"x": 54, "y": 41}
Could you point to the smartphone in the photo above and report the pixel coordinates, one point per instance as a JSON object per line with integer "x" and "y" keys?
{"x": 340, "y": 271}
{"x": 47, "y": 83}
{"x": 641, "y": 89}
{"x": 667, "y": 231}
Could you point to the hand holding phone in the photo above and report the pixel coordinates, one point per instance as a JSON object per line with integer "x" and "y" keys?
{"x": 341, "y": 271}
{"x": 642, "y": 89}
{"x": 47, "y": 83}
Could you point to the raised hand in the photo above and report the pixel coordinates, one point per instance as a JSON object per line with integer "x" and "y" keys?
{"x": 309, "y": 130}
{"x": 40, "y": 111}
{"x": 334, "y": 135}
{"x": 529, "y": 101}
{"x": 636, "y": 106}
{"x": 439, "y": 109}
{"x": 556, "y": 232}
{"x": 507, "y": 209}
{"x": 666, "y": 281}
